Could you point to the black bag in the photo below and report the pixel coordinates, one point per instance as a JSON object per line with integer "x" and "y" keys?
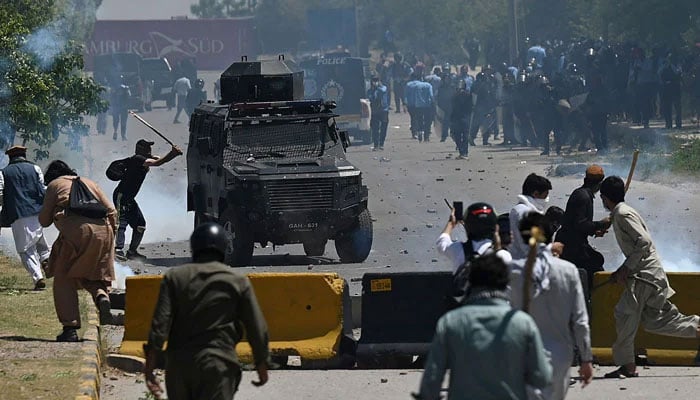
{"x": 83, "y": 202}
{"x": 461, "y": 276}
{"x": 117, "y": 169}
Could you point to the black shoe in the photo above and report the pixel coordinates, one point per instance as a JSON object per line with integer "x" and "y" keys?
{"x": 40, "y": 285}
{"x": 621, "y": 373}
{"x": 135, "y": 255}
{"x": 472, "y": 142}
{"x": 105, "y": 309}
{"x": 69, "y": 334}
{"x": 544, "y": 153}
{"x": 119, "y": 255}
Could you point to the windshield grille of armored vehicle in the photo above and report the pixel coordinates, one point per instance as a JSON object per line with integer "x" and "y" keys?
{"x": 299, "y": 194}
{"x": 288, "y": 142}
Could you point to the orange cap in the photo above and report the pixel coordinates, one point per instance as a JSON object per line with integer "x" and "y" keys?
{"x": 595, "y": 172}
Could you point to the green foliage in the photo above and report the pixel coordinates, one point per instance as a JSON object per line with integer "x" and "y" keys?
{"x": 43, "y": 92}
{"x": 687, "y": 157}
{"x": 223, "y": 8}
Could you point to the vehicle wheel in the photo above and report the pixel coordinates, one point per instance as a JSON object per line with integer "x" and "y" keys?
{"x": 240, "y": 250}
{"x": 315, "y": 248}
{"x": 354, "y": 246}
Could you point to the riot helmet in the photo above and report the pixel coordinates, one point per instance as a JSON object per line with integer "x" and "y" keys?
{"x": 199, "y": 84}
{"x": 209, "y": 237}
{"x": 480, "y": 221}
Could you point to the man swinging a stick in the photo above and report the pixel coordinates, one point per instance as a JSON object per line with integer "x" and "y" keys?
{"x": 647, "y": 292}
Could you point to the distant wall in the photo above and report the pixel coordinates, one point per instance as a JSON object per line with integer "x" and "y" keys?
{"x": 213, "y": 43}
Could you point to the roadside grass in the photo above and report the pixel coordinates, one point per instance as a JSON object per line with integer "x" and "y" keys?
{"x": 32, "y": 364}
{"x": 686, "y": 156}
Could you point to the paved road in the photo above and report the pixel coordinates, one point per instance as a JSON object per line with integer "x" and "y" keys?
{"x": 407, "y": 184}
{"x": 655, "y": 383}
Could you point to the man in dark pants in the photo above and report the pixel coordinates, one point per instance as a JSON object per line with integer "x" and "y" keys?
{"x": 119, "y": 102}
{"x": 670, "y": 76}
{"x": 401, "y": 72}
{"x": 378, "y": 96}
{"x": 203, "y": 310}
{"x": 577, "y": 225}
{"x": 124, "y": 196}
{"x": 459, "y": 118}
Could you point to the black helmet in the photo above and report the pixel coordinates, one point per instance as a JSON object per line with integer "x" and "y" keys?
{"x": 480, "y": 220}
{"x": 199, "y": 83}
{"x": 209, "y": 236}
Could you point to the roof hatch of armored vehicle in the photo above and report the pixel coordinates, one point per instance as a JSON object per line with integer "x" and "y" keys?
{"x": 265, "y": 80}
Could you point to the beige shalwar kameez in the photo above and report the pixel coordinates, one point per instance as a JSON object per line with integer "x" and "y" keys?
{"x": 83, "y": 254}
{"x": 641, "y": 301}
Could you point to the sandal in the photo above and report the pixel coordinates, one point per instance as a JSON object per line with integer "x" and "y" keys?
{"x": 621, "y": 373}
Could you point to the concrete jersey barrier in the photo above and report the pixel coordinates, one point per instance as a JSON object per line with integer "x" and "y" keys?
{"x": 304, "y": 313}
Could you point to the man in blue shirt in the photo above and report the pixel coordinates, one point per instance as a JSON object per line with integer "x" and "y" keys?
{"x": 378, "y": 96}
{"x": 419, "y": 100}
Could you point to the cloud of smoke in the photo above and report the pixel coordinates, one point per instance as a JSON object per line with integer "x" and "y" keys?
{"x": 46, "y": 43}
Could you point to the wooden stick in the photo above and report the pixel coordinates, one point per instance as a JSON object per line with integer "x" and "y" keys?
{"x": 143, "y": 121}
{"x": 635, "y": 156}
{"x": 536, "y": 237}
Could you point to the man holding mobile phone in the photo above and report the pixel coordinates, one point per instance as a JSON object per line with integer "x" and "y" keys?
{"x": 480, "y": 222}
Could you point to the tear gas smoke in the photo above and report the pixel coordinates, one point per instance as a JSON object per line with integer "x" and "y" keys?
{"x": 121, "y": 272}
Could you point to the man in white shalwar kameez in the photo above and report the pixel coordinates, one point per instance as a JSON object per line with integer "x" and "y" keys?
{"x": 558, "y": 307}
{"x": 22, "y": 192}
{"x": 647, "y": 291}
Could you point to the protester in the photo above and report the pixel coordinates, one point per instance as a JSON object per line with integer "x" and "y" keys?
{"x": 534, "y": 197}
{"x": 646, "y": 292}
{"x": 124, "y": 196}
{"x": 557, "y": 305}
{"x": 578, "y": 225}
{"x": 83, "y": 254}
{"x": 203, "y": 310}
{"x": 22, "y": 192}
{"x": 492, "y": 350}
{"x": 480, "y": 221}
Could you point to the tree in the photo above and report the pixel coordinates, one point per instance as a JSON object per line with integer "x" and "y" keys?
{"x": 43, "y": 92}
{"x": 223, "y": 8}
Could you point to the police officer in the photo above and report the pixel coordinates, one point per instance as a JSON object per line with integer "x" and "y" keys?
{"x": 195, "y": 96}
{"x": 448, "y": 88}
{"x": 378, "y": 96}
{"x": 203, "y": 309}
{"x": 670, "y": 75}
{"x": 485, "y": 108}
{"x": 461, "y": 111}
{"x": 119, "y": 101}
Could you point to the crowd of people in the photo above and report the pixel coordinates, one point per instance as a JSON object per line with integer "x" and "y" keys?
{"x": 568, "y": 90}
{"x": 522, "y": 308}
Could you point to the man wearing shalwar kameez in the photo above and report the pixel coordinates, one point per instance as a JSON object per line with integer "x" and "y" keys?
{"x": 22, "y": 193}
{"x": 647, "y": 291}
{"x": 83, "y": 254}
{"x": 558, "y": 307}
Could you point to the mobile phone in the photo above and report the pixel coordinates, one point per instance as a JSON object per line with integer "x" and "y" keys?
{"x": 458, "y": 206}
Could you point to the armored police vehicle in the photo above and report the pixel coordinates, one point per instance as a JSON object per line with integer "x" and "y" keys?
{"x": 271, "y": 167}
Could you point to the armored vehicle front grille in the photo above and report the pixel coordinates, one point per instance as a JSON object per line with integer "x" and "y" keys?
{"x": 299, "y": 194}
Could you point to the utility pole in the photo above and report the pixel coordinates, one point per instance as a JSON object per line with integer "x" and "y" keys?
{"x": 514, "y": 39}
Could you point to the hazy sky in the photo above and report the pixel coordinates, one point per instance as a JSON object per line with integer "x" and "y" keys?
{"x": 143, "y": 9}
